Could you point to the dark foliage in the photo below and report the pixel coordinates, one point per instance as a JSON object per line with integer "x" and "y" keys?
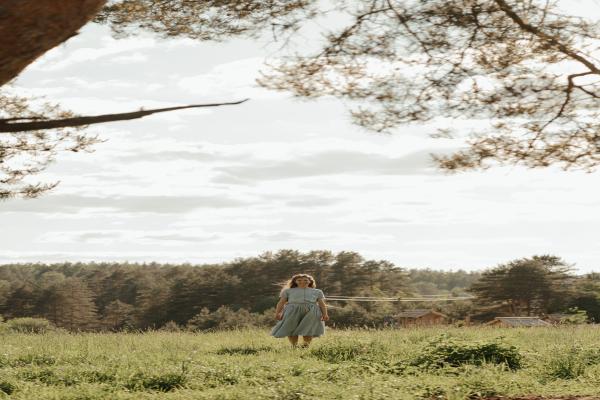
{"x": 449, "y": 352}
{"x": 242, "y": 293}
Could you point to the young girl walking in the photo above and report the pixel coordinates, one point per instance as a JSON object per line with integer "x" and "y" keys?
{"x": 301, "y": 310}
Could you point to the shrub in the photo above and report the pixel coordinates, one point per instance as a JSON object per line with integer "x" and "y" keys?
{"x": 444, "y": 351}
{"x": 590, "y": 356}
{"x": 98, "y": 376}
{"x": 49, "y": 377}
{"x": 568, "y": 366}
{"x": 170, "y": 326}
{"x": 7, "y": 387}
{"x": 163, "y": 383}
{"x": 571, "y": 363}
{"x": 34, "y": 359}
{"x": 29, "y": 325}
{"x": 242, "y": 350}
{"x": 225, "y": 318}
{"x": 479, "y": 390}
{"x": 340, "y": 352}
{"x": 575, "y": 317}
{"x": 219, "y": 377}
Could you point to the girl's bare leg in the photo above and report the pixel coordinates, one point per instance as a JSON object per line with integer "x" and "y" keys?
{"x": 306, "y": 340}
{"x": 293, "y": 340}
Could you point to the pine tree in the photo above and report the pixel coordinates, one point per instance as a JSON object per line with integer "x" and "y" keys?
{"x": 70, "y": 305}
{"x": 117, "y": 315}
{"x": 527, "y": 286}
{"x": 151, "y": 305}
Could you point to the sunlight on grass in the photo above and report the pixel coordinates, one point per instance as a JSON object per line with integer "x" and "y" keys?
{"x": 428, "y": 363}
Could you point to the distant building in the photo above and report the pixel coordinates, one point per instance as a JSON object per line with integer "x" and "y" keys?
{"x": 517, "y": 322}
{"x": 420, "y": 317}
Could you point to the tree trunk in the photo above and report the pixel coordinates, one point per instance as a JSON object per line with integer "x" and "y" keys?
{"x": 29, "y": 28}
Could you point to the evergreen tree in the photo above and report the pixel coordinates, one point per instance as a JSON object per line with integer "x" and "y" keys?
{"x": 70, "y": 305}
{"x": 4, "y": 293}
{"x": 528, "y": 286}
{"x": 586, "y": 295}
{"x": 21, "y": 302}
{"x": 150, "y": 305}
{"x": 117, "y": 315}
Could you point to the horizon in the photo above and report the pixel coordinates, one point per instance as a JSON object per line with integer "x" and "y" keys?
{"x": 574, "y": 271}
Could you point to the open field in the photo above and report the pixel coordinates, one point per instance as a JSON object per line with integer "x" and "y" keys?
{"x": 353, "y": 364}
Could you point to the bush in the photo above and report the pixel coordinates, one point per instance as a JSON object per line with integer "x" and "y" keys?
{"x": 163, "y": 383}
{"x": 49, "y": 377}
{"x": 29, "y": 325}
{"x": 98, "y": 376}
{"x": 340, "y": 352}
{"x": 571, "y": 363}
{"x": 444, "y": 351}
{"x": 34, "y": 359}
{"x": 567, "y": 366}
{"x": 7, "y": 387}
{"x": 575, "y": 317}
{"x": 224, "y": 318}
{"x": 221, "y": 376}
{"x": 170, "y": 326}
{"x": 242, "y": 350}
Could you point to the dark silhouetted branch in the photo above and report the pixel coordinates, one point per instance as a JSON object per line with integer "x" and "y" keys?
{"x": 7, "y": 126}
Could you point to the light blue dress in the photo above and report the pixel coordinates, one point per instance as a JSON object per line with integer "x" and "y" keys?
{"x": 301, "y": 314}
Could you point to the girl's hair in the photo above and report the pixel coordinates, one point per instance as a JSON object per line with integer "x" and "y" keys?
{"x": 291, "y": 283}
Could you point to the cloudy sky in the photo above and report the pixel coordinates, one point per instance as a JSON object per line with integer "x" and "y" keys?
{"x": 211, "y": 185}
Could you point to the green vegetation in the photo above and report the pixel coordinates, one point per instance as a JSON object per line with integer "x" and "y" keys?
{"x": 344, "y": 364}
{"x": 445, "y": 351}
{"x": 243, "y": 293}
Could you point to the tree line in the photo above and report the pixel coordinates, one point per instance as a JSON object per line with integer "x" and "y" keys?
{"x": 123, "y": 296}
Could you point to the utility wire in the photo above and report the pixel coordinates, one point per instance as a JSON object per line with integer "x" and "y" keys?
{"x": 414, "y": 299}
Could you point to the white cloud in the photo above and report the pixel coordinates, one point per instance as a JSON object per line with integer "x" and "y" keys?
{"x": 158, "y": 237}
{"x": 328, "y": 163}
{"x": 63, "y": 203}
{"x": 233, "y": 80}
{"x": 136, "y": 57}
{"x": 62, "y": 57}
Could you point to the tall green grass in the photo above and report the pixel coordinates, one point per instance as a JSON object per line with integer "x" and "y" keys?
{"x": 426, "y": 363}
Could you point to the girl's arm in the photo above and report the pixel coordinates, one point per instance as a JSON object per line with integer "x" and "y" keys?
{"x": 279, "y": 308}
{"x": 323, "y": 307}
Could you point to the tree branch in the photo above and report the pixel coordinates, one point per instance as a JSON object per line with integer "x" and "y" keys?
{"x": 7, "y": 126}
{"x": 550, "y": 39}
{"x": 568, "y": 91}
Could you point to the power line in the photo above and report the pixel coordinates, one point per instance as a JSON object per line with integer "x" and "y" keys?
{"x": 399, "y": 299}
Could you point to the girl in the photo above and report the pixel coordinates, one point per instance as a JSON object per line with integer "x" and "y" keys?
{"x": 301, "y": 315}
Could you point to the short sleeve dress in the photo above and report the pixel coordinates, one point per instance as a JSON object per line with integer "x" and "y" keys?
{"x": 301, "y": 314}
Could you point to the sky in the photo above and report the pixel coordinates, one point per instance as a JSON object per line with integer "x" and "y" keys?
{"x": 210, "y": 185}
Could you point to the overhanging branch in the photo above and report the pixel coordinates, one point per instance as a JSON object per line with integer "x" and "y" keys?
{"x": 510, "y": 12}
{"x": 6, "y": 125}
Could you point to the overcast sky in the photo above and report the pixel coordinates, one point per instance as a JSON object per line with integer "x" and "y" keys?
{"x": 210, "y": 185}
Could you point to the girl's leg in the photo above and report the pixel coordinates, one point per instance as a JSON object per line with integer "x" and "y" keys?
{"x": 306, "y": 340}
{"x": 293, "y": 340}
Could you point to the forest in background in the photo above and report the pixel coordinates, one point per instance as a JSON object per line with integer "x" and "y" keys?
{"x": 124, "y": 296}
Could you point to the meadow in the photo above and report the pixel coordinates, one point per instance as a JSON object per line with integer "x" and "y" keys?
{"x": 420, "y": 363}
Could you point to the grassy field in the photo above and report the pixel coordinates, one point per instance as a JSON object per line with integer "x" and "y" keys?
{"x": 451, "y": 363}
